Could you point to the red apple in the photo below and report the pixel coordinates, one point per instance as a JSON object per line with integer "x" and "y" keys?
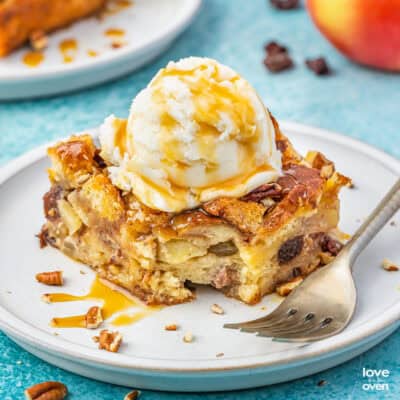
{"x": 367, "y": 31}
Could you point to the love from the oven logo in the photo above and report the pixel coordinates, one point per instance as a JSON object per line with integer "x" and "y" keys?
{"x": 375, "y": 374}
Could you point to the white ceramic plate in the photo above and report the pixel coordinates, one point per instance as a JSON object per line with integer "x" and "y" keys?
{"x": 155, "y": 359}
{"x": 150, "y": 26}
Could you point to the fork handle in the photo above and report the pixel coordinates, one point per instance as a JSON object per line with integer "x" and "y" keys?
{"x": 374, "y": 223}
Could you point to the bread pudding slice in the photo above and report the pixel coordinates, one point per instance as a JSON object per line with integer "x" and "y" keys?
{"x": 246, "y": 247}
{"x": 19, "y": 19}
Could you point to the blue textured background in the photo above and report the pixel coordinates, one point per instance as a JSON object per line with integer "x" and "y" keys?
{"x": 356, "y": 101}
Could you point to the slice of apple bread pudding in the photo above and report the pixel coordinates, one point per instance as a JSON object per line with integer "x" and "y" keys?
{"x": 246, "y": 247}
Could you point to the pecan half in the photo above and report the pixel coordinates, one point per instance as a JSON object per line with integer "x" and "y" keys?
{"x": 46, "y": 391}
{"x": 53, "y": 278}
{"x": 50, "y": 200}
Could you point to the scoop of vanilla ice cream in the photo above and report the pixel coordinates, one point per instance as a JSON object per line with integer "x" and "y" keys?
{"x": 198, "y": 131}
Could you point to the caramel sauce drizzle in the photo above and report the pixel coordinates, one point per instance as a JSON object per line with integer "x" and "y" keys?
{"x": 92, "y": 53}
{"x": 113, "y": 302}
{"x": 114, "y": 33}
{"x": 33, "y": 58}
{"x": 117, "y": 36}
{"x": 120, "y": 135}
{"x": 130, "y": 318}
{"x": 68, "y": 49}
{"x": 75, "y": 321}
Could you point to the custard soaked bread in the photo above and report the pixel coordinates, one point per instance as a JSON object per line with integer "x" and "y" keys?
{"x": 244, "y": 247}
{"x": 19, "y": 19}
{"x": 187, "y": 194}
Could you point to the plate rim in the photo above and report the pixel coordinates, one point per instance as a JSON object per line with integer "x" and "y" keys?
{"x": 192, "y": 7}
{"x": 46, "y": 341}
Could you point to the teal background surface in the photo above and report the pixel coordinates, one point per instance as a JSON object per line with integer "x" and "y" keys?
{"x": 359, "y": 102}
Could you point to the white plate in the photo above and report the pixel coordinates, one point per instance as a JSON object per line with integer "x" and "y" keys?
{"x": 150, "y": 26}
{"x": 155, "y": 359}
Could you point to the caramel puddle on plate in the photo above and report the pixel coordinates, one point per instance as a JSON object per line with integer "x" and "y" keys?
{"x": 130, "y": 318}
{"x": 114, "y": 301}
{"x": 33, "y": 58}
{"x": 117, "y": 37}
{"x": 75, "y": 321}
{"x": 68, "y": 49}
{"x": 114, "y": 33}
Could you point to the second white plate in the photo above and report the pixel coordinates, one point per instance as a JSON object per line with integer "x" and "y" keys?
{"x": 144, "y": 29}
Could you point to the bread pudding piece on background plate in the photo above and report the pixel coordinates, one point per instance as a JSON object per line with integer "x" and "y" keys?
{"x": 19, "y": 19}
{"x": 153, "y": 219}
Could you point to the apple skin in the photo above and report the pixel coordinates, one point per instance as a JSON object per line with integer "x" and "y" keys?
{"x": 366, "y": 31}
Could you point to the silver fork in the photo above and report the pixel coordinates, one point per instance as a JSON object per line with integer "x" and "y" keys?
{"x": 325, "y": 301}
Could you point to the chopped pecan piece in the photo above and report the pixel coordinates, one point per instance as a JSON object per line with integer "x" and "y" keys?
{"x": 278, "y": 62}
{"x": 270, "y": 190}
{"x": 94, "y": 317}
{"x": 331, "y": 245}
{"x": 224, "y": 277}
{"x": 42, "y": 236}
{"x": 318, "y": 66}
{"x": 274, "y": 48}
{"x": 50, "y": 200}
{"x": 217, "y": 309}
{"x": 53, "y": 278}
{"x": 188, "y": 338}
{"x": 171, "y": 327}
{"x": 110, "y": 341}
{"x": 389, "y": 265}
{"x": 282, "y": 145}
{"x": 285, "y": 4}
{"x": 317, "y": 159}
